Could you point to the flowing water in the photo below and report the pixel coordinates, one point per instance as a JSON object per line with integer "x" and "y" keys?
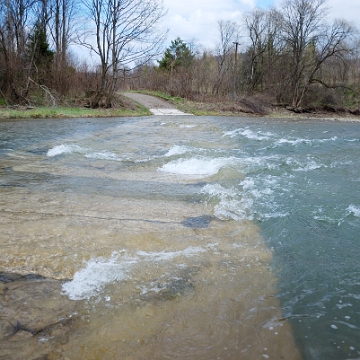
{"x": 180, "y": 238}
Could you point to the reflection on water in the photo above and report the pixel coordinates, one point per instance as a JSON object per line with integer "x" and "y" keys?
{"x": 181, "y": 238}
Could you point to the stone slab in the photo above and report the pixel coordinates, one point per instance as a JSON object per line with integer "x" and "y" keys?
{"x": 171, "y": 112}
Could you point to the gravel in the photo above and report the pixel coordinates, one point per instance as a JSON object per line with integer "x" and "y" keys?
{"x": 150, "y": 102}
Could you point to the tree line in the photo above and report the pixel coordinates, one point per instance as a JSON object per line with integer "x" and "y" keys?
{"x": 294, "y": 56}
{"x": 35, "y": 37}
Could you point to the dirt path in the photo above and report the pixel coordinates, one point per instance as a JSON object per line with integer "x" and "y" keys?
{"x": 151, "y": 102}
{"x": 155, "y": 105}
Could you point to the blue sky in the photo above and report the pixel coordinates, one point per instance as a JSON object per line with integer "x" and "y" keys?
{"x": 196, "y": 20}
{"x": 264, "y": 4}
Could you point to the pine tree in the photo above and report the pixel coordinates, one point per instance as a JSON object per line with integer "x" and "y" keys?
{"x": 178, "y": 54}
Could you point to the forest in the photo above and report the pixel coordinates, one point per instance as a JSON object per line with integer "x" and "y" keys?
{"x": 292, "y": 56}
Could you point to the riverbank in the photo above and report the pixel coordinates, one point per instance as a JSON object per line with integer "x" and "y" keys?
{"x": 127, "y": 108}
{"x": 71, "y": 112}
{"x": 249, "y": 107}
{"x": 252, "y": 107}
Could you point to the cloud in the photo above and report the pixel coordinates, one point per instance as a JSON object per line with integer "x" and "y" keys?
{"x": 345, "y": 9}
{"x": 338, "y": 9}
{"x": 198, "y": 19}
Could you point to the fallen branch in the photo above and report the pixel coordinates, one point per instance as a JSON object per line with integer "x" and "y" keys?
{"x": 332, "y": 86}
{"x": 47, "y": 91}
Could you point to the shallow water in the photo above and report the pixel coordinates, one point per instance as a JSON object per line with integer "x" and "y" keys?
{"x": 186, "y": 237}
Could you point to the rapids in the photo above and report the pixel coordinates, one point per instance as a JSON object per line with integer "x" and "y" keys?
{"x": 179, "y": 238}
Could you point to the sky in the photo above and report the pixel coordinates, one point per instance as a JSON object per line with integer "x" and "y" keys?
{"x": 195, "y": 21}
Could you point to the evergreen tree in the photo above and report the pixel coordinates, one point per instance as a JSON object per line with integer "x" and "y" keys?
{"x": 178, "y": 54}
{"x": 39, "y": 48}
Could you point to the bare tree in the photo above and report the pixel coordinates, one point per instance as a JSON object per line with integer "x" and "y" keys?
{"x": 229, "y": 33}
{"x": 310, "y": 41}
{"x": 256, "y": 24}
{"x": 262, "y": 27}
{"x": 16, "y": 19}
{"x": 61, "y": 25}
{"x": 23, "y": 45}
{"x": 125, "y": 33}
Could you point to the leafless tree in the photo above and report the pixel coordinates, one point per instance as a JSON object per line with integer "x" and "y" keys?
{"x": 61, "y": 26}
{"x": 125, "y": 32}
{"x": 309, "y": 41}
{"x": 229, "y": 33}
{"x": 63, "y": 17}
{"x": 16, "y": 19}
{"x": 262, "y": 28}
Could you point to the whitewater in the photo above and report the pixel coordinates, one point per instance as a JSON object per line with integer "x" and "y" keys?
{"x": 189, "y": 237}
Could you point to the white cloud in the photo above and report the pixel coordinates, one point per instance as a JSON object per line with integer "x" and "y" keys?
{"x": 198, "y": 19}
{"x": 345, "y": 9}
{"x": 338, "y": 9}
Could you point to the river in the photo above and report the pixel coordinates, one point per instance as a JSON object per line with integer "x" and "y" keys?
{"x": 180, "y": 238}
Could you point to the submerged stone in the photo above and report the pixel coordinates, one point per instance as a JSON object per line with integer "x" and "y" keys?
{"x": 199, "y": 222}
{"x": 176, "y": 286}
{"x": 33, "y": 311}
{"x": 11, "y": 277}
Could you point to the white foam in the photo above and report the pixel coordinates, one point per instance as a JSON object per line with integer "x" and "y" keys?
{"x": 103, "y": 155}
{"x": 293, "y": 142}
{"x": 340, "y": 306}
{"x": 92, "y": 279}
{"x": 328, "y": 219}
{"x": 250, "y": 164}
{"x": 305, "y": 165}
{"x": 177, "y": 150}
{"x": 249, "y": 134}
{"x": 198, "y": 166}
{"x": 254, "y": 199}
{"x": 169, "y": 255}
{"x": 230, "y": 205}
{"x": 355, "y": 210}
{"x": 218, "y": 190}
{"x": 311, "y": 165}
{"x": 275, "y": 215}
{"x": 63, "y": 149}
{"x": 298, "y": 141}
{"x": 88, "y": 153}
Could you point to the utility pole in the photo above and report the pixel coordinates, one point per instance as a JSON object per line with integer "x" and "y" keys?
{"x": 235, "y": 70}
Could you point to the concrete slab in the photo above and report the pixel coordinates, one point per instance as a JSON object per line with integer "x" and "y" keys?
{"x": 169, "y": 112}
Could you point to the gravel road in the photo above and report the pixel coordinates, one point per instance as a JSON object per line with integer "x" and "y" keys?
{"x": 150, "y": 102}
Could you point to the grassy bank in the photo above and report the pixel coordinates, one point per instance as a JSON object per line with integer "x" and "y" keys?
{"x": 69, "y": 112}
{"x": 242, "y": 107}
{"x": 249, "y": 106}
{"x": 187, "y": 106}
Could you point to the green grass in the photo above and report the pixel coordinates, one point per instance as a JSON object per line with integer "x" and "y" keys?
{"x": 173, "y": 99}
{"x": 69, "y": 112}
{"x": 182, "y": 104}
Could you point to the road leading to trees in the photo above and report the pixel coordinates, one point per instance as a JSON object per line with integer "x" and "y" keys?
{"x": 155, "y": 105}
